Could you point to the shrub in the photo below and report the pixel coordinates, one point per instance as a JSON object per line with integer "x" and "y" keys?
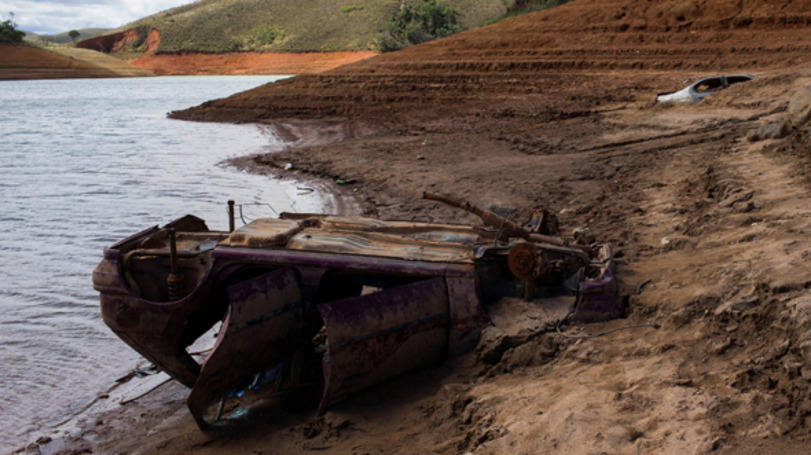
{"x": 418, "y": 21}
{"x": 349, "y": 9}
{"x": 527, "y": 6}
{"x": 265, "y": 34}
{"x": 9, "y": 33}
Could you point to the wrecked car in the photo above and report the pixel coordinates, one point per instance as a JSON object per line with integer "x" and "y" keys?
{"x": 316, "y": 307}
{"x": 702, "y": 88}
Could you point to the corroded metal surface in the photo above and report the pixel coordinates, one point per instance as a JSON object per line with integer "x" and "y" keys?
{"x": 332, "y": 303}
{"x": 264, "y": 322}
{"x": 377, "y": 244}
{"x": 597, "y": 298}
{"x": 263, "y": 233}
{"x": 374, "y": 337}
{"x": 467, "y": 315}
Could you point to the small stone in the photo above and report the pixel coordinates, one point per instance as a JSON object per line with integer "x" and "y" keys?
{"x": 743, "y": 207}
{"x": 43, "y": 440}
{"x": 740, "y": 305}
{"x": 799, "y": 107}
{"x": 778, "y": 351}
{"x": 719, "y": 348}
{"x": 792, "y": 368}
{"x": 492, "y": 345}
{"x": 674, "y": 242}
{"x": 802, "y": 312}
{"x": 771, "y": 130}
{"x": 805, "y": 350}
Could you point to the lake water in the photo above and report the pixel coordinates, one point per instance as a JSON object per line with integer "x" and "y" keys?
{"x": 84, "y": 163}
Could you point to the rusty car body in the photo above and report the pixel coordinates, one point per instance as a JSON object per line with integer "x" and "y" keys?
{"x": 320, "y": 305}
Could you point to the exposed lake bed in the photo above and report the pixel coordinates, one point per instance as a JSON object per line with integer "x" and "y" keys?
{"x": 552, "y": 109}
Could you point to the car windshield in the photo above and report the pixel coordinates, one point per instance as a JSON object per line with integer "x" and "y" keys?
{"x": 709, "y": 85}
{"x": 735, "y": 79}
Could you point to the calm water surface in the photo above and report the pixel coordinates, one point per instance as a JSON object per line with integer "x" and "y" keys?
{"x": 84, "y": 163}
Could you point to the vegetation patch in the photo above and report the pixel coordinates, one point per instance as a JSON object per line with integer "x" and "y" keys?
{"x": 9, "y": 33}
{"x": 315, "y": 25}
{"x": 265, "y": 35}
{"x": 527, "y": 6}
{"x": 349, "y": 9}
{"x": 418, "y": 21}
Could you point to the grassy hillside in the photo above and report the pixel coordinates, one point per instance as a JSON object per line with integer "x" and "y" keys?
{"x": 64, "y": 38}
{"x": 293, "y": 25}
{"x": 101, "y": 60}
{"x": 84, "y": 33}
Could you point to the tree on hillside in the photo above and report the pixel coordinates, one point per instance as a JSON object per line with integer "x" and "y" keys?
{"x": 9, "y": 33}
{"x": 73, "y": 34}
{"x": 417, "y": 21}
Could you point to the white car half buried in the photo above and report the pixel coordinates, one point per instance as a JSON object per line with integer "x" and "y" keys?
{"x": 696, "y": 91}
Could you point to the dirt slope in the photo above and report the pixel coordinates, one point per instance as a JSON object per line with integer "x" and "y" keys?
{"x": 590, "y": 42}
{"x": 555, "y": 108}
{"x": 196, "y": 63}
{"x": 24, "y": 62}
{"x": 99, "y": 59}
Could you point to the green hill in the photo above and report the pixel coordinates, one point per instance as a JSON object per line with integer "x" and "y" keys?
{"x": 292, "y": 25}
{"x": 64, "y": 37}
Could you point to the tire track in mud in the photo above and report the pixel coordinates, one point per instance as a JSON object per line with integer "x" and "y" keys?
{"x": 723, "y": 285}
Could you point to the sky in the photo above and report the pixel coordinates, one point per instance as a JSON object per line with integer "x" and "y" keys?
{"x": 55, "y": 16}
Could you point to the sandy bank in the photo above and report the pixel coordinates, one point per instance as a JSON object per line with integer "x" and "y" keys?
{"x": 24, "y": 62}
{"x": 247, "y": 62}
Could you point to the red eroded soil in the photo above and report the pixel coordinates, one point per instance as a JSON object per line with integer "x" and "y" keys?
{"x": 153, "y": 39}
{"x": 199, "y": 63}
{"x": 124, "y": 41}
{"x": 24, "y": 62}
{"x": 572, "y": 58}
{"x": 556, "y": 109}
{"x": 247, "y": 62}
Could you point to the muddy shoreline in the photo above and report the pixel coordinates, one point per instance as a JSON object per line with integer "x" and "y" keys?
{"x": 670, "y": 223}
{"x": 342, "y": 201}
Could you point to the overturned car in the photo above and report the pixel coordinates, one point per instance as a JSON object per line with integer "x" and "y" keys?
{"x": 322, "y": 306}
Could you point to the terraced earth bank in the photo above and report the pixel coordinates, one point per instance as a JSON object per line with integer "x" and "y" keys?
{"x": 198, "y": 63}
{"x": 712, "y": 221}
